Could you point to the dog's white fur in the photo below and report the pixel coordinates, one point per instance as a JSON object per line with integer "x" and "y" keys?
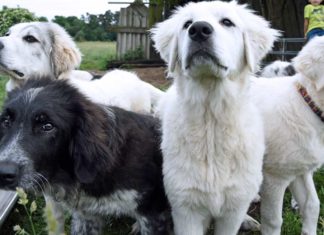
{"x": 294, "y": 139}
{"x": 123, "y": 89}
{"x": 212, "y": 134}
{"x": 54, "y": 54}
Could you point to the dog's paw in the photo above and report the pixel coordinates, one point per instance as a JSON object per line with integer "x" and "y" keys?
{"x": 250, "y": 224}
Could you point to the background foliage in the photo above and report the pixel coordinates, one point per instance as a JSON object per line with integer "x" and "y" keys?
{"x": 86, "y": 28}
{"x": 90, "y": 27}
{"x": 11, "y": 16}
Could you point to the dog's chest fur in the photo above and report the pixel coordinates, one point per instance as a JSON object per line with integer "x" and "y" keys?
{"x": 208, "y": 154}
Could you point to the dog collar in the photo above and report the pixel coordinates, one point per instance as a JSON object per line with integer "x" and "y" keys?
{"x": 303, "y": 92}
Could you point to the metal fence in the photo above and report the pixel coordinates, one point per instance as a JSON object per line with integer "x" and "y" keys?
{"x": 286, "y": 48}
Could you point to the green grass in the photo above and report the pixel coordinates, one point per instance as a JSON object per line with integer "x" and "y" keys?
{"x": 3, "y": 81}
{"x": 96, "y": 54}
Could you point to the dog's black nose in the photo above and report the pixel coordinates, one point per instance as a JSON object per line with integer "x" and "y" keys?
{"x": 200, "y": 31}
{"x": 1, "y": 45}
{"x": 8, "y": 174}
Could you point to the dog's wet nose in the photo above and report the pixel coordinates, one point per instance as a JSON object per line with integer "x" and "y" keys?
{"x": 200, "y": 31}
{"x": 1, "y": 45}
{"x": 8, "y": 174}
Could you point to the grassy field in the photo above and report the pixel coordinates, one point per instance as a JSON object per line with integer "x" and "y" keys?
{"x": 96, "y": 55}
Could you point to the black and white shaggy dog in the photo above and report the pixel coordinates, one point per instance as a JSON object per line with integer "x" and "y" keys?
{"x": 94, "y": 160}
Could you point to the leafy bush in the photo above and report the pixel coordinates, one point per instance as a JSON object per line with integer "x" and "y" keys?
{"x": 137, "y": 53}
{"x": 11, "y": 16}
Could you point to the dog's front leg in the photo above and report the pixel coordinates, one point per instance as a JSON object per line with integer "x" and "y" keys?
{"x": 229, "y": 223}
{"x": 190, "y": 222}
{"x": 303, "y": 190}
{"x": 85, "y": 224}
{"x": 272, "y": 194}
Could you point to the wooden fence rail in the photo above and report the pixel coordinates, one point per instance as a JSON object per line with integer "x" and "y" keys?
{"x": 132, "y": 31}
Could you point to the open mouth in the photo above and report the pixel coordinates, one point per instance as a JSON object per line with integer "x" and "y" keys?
{"x": 14, "y": 73}
{"x": 204, "y": 55}
{"x": 18, "y": 73}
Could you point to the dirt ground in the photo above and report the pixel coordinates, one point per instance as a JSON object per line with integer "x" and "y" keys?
{"x": 153, "y": 75}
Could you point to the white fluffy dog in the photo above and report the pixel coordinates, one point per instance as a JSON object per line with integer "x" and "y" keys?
{"x": 293, "y": 119}
{"x": 278, "y": 68}
{"x": 39, "y": 49}
{"x": 122, "y": 89}
{"x": 212, "y": 141}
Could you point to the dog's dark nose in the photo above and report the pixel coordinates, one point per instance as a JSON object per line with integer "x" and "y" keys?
{"x": 200, "y": 31}
{"x": 8, "y": 174}
{"x": 1, "y": 45}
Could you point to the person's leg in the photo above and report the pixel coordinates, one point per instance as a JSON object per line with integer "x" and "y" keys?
{"x": 313, "y": 33}
{"x": 320, "y": 32}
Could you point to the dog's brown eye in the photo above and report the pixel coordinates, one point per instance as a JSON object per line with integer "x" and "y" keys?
{"x": 187, "y": 24}
{"x": 44, "y": 123}
{"x": 226, "y": 22}
{"x": 30, "y": 39}
{"x": 47, "y": 127}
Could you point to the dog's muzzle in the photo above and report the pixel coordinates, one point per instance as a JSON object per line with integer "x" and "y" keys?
{"x": 9, "y": 172}
{"x": 201, "y": 44}
{"x": 14, "y": 73}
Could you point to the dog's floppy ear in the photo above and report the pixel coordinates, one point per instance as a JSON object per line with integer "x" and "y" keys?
{"x": 65, "y": 55}
{"x": 90, "y": 147}
{"x": 166, "y": 41}
{"x": 258, "y": 36}
{"x": 310, "y": 62}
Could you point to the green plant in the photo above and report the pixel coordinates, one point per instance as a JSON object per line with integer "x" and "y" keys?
{"x": 23, "y": 200}
{"x": 11, "y": 16}
{"x": 30, "y": 208}
{"x": 52, "y": 224}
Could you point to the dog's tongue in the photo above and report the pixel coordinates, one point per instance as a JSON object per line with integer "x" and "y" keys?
{"x": 18, "y": 73}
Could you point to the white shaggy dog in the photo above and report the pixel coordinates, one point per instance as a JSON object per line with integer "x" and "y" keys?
{"x": 294, "y": 138}
{"x": 42, "y": 49}
{"x": 278, "y": 68}
{"x": 38, "y": 49}
{"x": 122, "y": 89}
{"x": 212, "y": 134}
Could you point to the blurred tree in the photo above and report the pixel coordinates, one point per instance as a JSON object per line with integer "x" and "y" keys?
{"x": 11, "y": 16}
{"x": 43, "y": 19}
{"x": 285, "y": 15}
{"x": 90, "y": 27}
